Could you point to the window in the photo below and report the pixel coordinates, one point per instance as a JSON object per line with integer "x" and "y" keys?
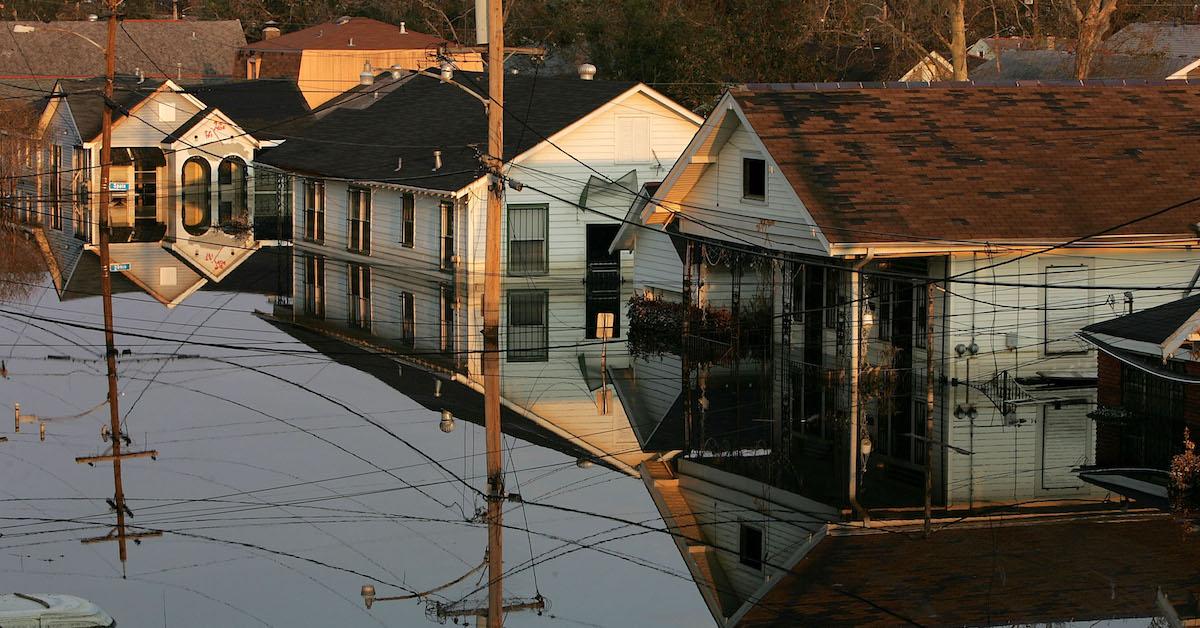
{"x": 1065, "y": 288}
{"x": 633, "y": 139}
{"x": 145, "y": 190}
{"x": 528, "y": 311}
{"x": 314, "y": 210}
{"x": 197, "y": 197}
{"x": 754, "y": 179}
{"x": 314, "y": 286}
{"x": 447, "y": 326}
{"x": 1146, "y": 395}
{"x": 527, "y": 244}
{"x": 408, "y": 204}
{"x": 359, "y": 212}
{"x": 750, "y": 546}
{"x": 408, "y": 319}
{"x": 447, "y": 211}
{"x": 832, "y": 296}
{"x": 166, "y": 112}
{"x": 83, "y": 208}
{"x": 231, "y": 191}
{"x": 920, "y": 316}
{"x": 272, "y": 205}
{"x": 360, "y": 296}
{"x": 54, "y": 185}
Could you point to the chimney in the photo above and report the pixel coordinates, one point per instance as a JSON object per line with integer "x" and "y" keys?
{"x": 270, "y": 32}
{"x": 403, "y": 30}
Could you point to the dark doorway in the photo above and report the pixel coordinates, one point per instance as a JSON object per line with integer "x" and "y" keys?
{"x": 603, "y": 278}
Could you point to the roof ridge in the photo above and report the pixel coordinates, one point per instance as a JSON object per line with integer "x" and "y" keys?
{"x": 818, "y": 86}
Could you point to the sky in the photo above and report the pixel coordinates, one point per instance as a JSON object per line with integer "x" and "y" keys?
{"x": 279, "y": 504}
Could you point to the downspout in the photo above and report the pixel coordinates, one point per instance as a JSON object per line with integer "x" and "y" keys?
{"x": 855, "y": 330}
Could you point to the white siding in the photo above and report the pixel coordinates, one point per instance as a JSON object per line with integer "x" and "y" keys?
{"x": 146, "y": 127}
{"x": 656, "y": 263}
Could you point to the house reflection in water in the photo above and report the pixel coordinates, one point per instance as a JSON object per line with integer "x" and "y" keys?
{"x": 428, "y": 322}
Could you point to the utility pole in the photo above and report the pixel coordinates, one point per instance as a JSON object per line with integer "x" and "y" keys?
{"x": 113, "y": 434}
{"x": 928, "y": 408}
{"x": 491, "y": 314}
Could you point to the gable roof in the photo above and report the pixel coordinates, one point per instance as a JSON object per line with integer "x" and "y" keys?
{"x": 86, "y": 99}
{"x": 366, "y": 138}
{"x": 356, "y": 33}
{"x": 1162, "y": 38}
{"x": 1014, "y": 65}
{"x": 268, "y": 109}
{"x": 168, "y": 48}
{"x": 975, "y": 162}
{"x": 1155, "y": 325}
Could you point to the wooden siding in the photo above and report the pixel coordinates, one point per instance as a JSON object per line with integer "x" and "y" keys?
{"x": 560, "y": 180}
{"x": 656, "y": 264}
{"x": 147, "y": 261}
{"x": 718, "y": 210}
{"x": 147, "y": 127}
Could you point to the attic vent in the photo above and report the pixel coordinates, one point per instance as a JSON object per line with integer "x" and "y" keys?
{"x": 403, "y": 30}
{"x": 342, "y": 20}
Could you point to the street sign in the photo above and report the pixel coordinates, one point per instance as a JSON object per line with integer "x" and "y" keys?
{"x": 118, "y": 186}
{"x": 112, "y": 268}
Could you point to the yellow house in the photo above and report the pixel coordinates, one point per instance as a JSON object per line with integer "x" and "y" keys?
{"x": 327, "y": 59}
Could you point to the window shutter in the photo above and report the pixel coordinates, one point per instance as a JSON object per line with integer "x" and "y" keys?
{"x": 633, "y": 139}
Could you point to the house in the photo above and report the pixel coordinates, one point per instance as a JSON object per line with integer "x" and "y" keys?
{"x": 1147, "y": 389}
{"x": 801, "y": 230}
{"x": 390, "y": 229}
{"x": 181, "y": 211}
{"x": 326, "y": 59}
{"x": 1167, "y": 39}
{"x": 155, "y": 49}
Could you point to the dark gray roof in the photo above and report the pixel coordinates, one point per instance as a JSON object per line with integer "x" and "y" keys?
{"x": 1163, "y": 38}
{"x": 176, "y": 49}
{"x": 1023, "y": 65}
{"x": 405, "y": 125}
{"x": 188, "y": 125}
{"x": 86, "y": 100}
{"x": 1153, "y": 325}
{"x": 267, "y": 109}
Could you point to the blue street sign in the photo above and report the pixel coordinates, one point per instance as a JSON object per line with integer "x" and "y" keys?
{"x": 112, "y": 268}
{"x": 118, "y": 186}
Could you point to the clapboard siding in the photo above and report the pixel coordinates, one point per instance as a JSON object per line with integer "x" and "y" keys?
{"x": 719, "y": 211}
{"x": 656, "y": 263}
{"x": 147, "y": 262}
{"x": 147, "y": 126}
{"x": 722, "y": 502}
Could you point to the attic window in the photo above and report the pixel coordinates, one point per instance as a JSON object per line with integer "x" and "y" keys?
{"x": 754, "y": 179}
{"x": 750, "y": 547}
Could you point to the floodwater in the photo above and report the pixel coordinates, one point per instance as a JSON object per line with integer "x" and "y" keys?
{"x": 285, "y": 480}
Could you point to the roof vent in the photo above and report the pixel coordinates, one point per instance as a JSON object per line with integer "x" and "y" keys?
{"x": 396, "y": 71}
{"x": 351, "y": 44}
{"x": 270, "y": 32}
{"x": 92, "y": 17}
{"x": 437, "y": 160}
{"x": 403, "y": 30}
{"x": 367, "y": 76}
{"x": 342, "y": 20}
{"x": 587, "y": 71}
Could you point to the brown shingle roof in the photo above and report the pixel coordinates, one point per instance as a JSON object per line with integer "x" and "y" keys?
{"x": 1002, "y": 575}
{"x": 961, "y": 161}
{"x": 176, "y": 48}
{"x": 365, "y": 33}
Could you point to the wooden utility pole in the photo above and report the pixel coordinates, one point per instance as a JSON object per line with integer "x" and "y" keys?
{"x": 114, "y": 434}
{"x": 928, "y": 408}
{"x": 491, "y": 314}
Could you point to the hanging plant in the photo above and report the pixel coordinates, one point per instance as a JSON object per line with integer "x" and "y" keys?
{"x": 1185, "y": 479}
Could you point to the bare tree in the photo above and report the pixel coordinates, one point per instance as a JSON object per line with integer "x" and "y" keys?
{"x": 21, "y": 263}
{"x": 1092, "y": 22}
{"x": 958, "y": 38}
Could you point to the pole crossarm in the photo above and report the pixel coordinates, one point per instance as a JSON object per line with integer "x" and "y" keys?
{"x": 149, "y": 453}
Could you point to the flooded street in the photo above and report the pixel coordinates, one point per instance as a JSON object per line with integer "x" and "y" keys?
{"x": 277, "y": 497}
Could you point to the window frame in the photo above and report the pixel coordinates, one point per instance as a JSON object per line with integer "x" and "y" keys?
{"x": 541, "y": 352}
{"x": 744, "y": 558}
{"x": 358, "y": 219}
{"x": 746, "y": 178}
{"x": 358, "y": 292}
{"x": 408, "y": 219}
{"x": 527, "y": 270}
{"x": 191, "y": 192}
{"x": 447, "y": 318}
{"x": 446, "y": 216}
{"x": 314, "y": 286}
{"x": 314, "y": 212}
{"x": 408, "y": 316}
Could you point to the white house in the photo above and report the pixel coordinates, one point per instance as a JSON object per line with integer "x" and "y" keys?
{"x": 181, "y": 201}
{"x": 390, "y": 229}
{"x": 842, "y": 205}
